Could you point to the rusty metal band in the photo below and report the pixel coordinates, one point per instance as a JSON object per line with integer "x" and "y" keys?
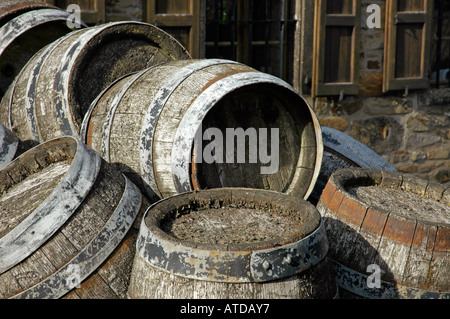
{"x": 191, "y": 122}
{"x": 354, "y": 150}
{"x": 356, "y": 282}
{"x": 8, "y": 146}
{"x": 53, "y": 212}
{"x": 26, "y": 21}
{"x": 151, "y": 118}
{"x": 107, "y": 124}
{"x": 87, "y": 117}
{"x": 95, "y": 253}
{"x": 232, "y": 266}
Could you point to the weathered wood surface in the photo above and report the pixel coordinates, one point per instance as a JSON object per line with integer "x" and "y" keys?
{"x": 75, "y": 213}
{"x": 146, "y": 125}
{"x": 9, "y": 144}
{"x": 266, "y": 260}
{"x": 24, "y": 35}
{"x": 396, "y": 221}
{"x": 53, "y": 92}
{"x": 343, "y": 151}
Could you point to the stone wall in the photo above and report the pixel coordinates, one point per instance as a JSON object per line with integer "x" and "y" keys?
{"x": 411, "y": 132}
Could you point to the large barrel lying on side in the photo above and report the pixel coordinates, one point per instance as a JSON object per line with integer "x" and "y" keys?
{"x": 65, "y": 223}
{"x": 24, "y": 29}
{"x": 389, "y": 234}
{"x": 54, "y": 90}
{"x": 232, "y": 243}
{"x": 148, "y": 123}
{"x": 342, "y": 151}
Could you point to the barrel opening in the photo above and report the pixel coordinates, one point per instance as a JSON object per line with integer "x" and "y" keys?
{"x": 20, "y": 51}
{"x": 117, "y": 51}
{"x": 217, "y": 217}
{"x": 30, "y": 178}
{"x": 258, "y": 109}
{"x": 56, "y": 152}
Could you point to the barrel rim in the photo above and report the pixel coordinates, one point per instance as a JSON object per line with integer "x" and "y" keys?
{"x": 150, "y": 121}
{"x": 352, "y": 149}
{"x": 260, "y": 262}
{"x": 194, "y": 115}
{"x": 41, "y": 58}
{"x": 56, "y": 208}
{"x": 94, "y": 253}
{"x": 387, "y": 179}
{"x": 10, "y": 31}
{"x": 63, "y": 87}
{"x": 16, "y": 8}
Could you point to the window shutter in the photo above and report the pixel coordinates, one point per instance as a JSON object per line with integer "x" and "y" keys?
{"x": 180, "y": 18}
{"x": 407, "y": 45}
{"x": 336, "y": 47}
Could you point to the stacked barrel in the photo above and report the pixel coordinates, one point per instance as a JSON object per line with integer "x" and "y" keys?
{"x": 105, "y": 191}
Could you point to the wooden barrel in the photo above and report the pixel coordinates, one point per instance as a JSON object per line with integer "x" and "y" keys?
{"x": 147, "y": 123}
{"x": 232, "y": 243}
{"x": 54, "y": 90}
{"x": 342, "y": 151}
{"x": 65, "y": 223}
{"x": 25, "y": 34}
{"x": 389, "y": 234}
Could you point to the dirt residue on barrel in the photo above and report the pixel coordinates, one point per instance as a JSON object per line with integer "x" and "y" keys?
{"x": 233, "y": 225}
{"x": 403, "y": 203}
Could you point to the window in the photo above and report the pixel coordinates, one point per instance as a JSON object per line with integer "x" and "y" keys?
{"x": 336, "y": 47}
{"x": 407, "y": 44}
{"x": 259, "y": 33}
{"x": 180, "y": 18}
{"x": 440, "y": 44}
